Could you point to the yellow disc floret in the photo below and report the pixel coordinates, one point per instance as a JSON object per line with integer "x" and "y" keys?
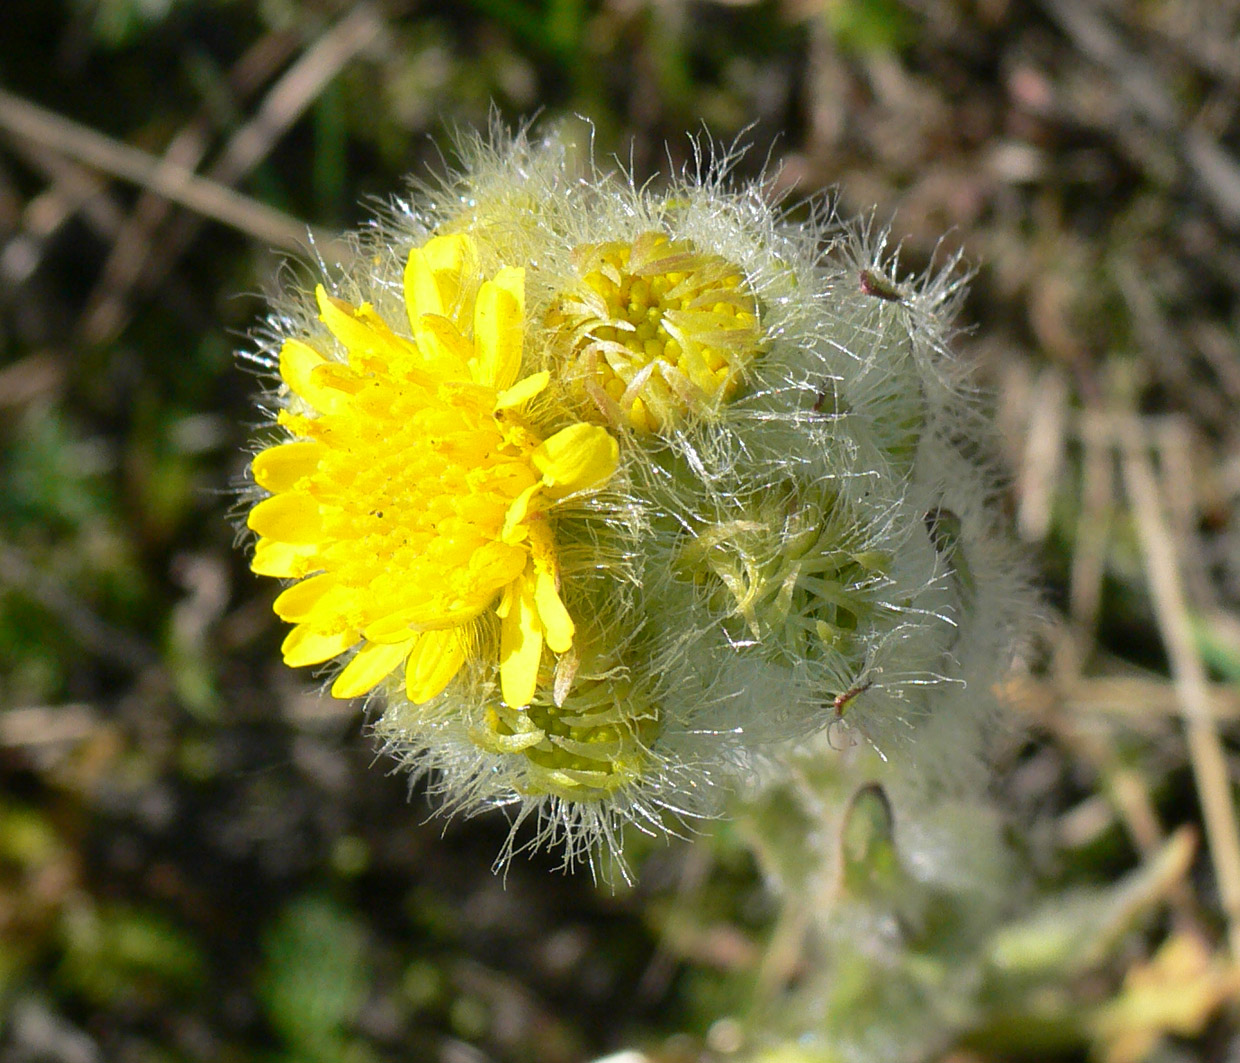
{"x": 415, "y": 496}
{"x": 655, "y": 329}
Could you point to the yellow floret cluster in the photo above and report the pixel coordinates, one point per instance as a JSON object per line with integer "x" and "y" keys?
{"x": 415, "y": 498}
{"x": 653, "y": 330}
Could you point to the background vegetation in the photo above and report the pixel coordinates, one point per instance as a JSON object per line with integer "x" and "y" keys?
{"x": 200, "y": 858}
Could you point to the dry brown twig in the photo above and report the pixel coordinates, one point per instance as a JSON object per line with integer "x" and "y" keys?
{"x": 135, "y": 245}
{"x": 99, "y": 152}
{"x": 283, "y": 105}
{"x": 73, "y": 190}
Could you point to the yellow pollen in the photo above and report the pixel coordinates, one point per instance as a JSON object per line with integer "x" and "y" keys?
{"x": 655, "y": 330}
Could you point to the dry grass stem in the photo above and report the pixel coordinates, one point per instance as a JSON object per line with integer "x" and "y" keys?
{"x": 300, "y": 86}
{"x": 1043, "y": 452}
{"x": 136, "y": 254}
{"x": 136, "y": 245}
{"x": 73, "y": 190}
{"x": 1151, "y": 101}
{"x": 1092, "y": 535}
{"x": 100, "y": 152}
{"x": 47, "y": 725}
{"x": 1188, "y": 671}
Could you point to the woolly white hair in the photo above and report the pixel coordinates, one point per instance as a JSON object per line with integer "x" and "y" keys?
{"x": 819, "y": 551}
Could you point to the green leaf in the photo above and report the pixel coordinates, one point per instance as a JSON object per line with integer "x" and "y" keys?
{"x": 315, "y": 975}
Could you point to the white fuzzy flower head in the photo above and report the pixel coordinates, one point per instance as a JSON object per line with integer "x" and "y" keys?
{"x": 606, "y": 494}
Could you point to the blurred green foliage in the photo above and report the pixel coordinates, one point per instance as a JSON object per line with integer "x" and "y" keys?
{"x": 314, "y": 979}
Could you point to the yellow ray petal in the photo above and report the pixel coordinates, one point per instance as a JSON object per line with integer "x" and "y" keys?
{"x": 452, "y": 254}
{"x": 303, "y": 645}
{"x": 505, "y": 604}
{"x": 441, "y": 342}
{"x": 493, "y": 566}
{"x": 576, "y": 458}
{"x": 520, "y": 647}
{"x": 433, "y": 276}
{"x": 557, "y": 624}
{"x": 514, "y": 530}
{"x": 512, "y": 280}
{"x": 298, "y": 361}
{"x": 436, "y": 658}
{"x": 337, "y": 377}
{"x": 373, "y": 663}
{"x": 499, "y": 318}
{"x": 287, "y": 518}
{"x": 298, "y": 602}
{"x": 279, "y": 468}
{"x": 523, "y": 390}
{"x": 391, "y": 628}
{"x": 362, "y": 331}
{"x": 421, "y": 292}
{"x": 283, "y": 560}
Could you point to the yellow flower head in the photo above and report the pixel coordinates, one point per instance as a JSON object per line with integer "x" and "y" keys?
{"x": 656, "y": 329}
{"x": 613, "y": 493}
{"x": 415, "y": 498}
